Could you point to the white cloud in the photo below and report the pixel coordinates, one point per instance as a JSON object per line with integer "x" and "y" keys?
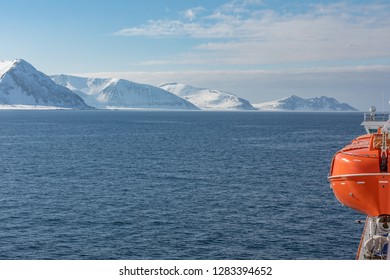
{"x": 160, "y": 28}
{"x": 236, "y": 35}
{"x": 240, "y": 6}
{"x": 189, "y": 14}
{"x": 178, "y": 28}
{"x": 192, "y": 13}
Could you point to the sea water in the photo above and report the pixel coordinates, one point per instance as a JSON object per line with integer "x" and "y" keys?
{"x": 173, "y": 185}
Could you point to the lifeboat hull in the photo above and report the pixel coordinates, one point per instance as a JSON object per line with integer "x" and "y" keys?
{"x": 360, "y": 177}
{"x": 366, "y": 193}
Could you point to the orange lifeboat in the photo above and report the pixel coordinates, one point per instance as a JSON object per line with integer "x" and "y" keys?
{"x": 359, "y": 174}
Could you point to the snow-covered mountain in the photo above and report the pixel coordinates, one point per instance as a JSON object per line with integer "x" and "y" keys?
{"x": 21, "y": 85}
{"x": 295, "y": 103}
{"x": 208, "y": 99}
{"x": 121, "y": 94}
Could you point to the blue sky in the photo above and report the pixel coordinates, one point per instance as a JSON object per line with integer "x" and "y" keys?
{"x": 258, "y": 49}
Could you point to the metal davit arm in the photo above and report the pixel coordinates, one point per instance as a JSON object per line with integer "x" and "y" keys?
{"x": 384, "y": 147}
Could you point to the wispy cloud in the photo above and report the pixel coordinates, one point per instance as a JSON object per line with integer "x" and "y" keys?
{"x": 192, "y": 13}
{"x": 246, "y": 33}
{"x": 161, "y": 28}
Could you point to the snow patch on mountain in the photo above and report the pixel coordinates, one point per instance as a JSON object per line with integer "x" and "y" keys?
{"x": 121, "y": 94}
{"x": 22, "y": 86}
{"x": 30, "y": 107}
{"x": 295, "y": 103}
{"x": 208, "y": 99}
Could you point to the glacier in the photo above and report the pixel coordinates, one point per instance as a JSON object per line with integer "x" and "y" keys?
{"x": 24, "y": 87}
{"x": 111, "y": 93}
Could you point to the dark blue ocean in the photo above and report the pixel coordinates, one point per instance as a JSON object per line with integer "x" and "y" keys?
{"x": 173, "y": 185}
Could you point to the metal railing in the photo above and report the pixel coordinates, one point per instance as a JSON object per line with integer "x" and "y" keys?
{"x": 370, "y": 117}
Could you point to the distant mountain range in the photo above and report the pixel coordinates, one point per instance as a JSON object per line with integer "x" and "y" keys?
{"x": 208, "y": 99}
{"x": 295, "y": 103}
{"x": 21, "y": 85}
{"x": 122, "y": 94}
{"x": 24, "y": 87}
